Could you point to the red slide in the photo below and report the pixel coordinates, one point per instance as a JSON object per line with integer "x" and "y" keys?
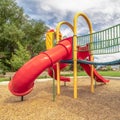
{"x": 87, "y": 68}
{"x": 23, "y": 81}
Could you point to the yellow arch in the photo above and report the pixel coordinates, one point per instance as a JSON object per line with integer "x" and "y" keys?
{"x": 58, "y": 28}
{"x": 75, "y": 50}
{"x": 58, "y": 38}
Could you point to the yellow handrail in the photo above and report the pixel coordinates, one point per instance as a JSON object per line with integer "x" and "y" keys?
{"x": 57, "y": 39}
{"x": 75, "y": 51}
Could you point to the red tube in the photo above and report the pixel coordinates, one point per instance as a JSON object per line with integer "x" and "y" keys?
{"x": 23, "y": 81}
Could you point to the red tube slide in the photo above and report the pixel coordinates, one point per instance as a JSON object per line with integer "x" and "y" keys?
{"x": 23, "y": 81}
{"x": 87, "y": 67}
{"x": 62, "y": 66}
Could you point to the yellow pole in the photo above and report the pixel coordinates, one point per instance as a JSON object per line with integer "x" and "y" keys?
{"x": 75, "y": 51}
{"x": 58, "y": 64}
{"x": 92, "y": 67}
{"x": 75, "y": 55}
{"x": 58, "y": 38}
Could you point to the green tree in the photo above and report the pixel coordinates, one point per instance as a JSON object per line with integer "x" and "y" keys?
{"x": 16, "y": 27}
{"x": 9, "y": 38}
{"x": 34, "y": 36}
{"x": 11, "y": 18}
{"x": 11, "y": 13}
{"x": 109, "y": 67}
{"x": 20, "y": 57}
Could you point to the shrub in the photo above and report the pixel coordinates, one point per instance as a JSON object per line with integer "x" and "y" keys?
{"x": 20, "y": 57}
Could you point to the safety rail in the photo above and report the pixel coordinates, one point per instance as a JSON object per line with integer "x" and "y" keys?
{"x": 104, "y": 42}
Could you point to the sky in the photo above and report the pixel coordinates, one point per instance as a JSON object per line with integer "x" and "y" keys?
{"x": 102, "y": 13}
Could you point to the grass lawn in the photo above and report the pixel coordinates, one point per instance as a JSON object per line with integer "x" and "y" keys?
{"x": 4, "y": 79}
{"x": 103, "y": 73}
{"x": 110, "y": 73}
{"x": 81, "y": 73}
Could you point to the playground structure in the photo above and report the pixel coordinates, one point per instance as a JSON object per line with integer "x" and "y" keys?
{"x": 72, "y": 50}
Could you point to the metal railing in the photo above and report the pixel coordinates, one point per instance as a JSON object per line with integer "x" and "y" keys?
{"x": 104, "y": 42}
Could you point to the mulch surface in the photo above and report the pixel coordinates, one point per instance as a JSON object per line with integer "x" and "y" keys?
{"x": 104, "y": 104}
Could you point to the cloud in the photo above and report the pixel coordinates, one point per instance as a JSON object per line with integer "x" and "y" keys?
{"x": 107, "y": 58}
{"x": 102, "y": 13}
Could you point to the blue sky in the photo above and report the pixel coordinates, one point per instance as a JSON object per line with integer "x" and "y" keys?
{"x": 102, "y": 13}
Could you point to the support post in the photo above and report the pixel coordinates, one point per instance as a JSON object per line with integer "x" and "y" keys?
{"x": 75, "y": 56}
{"x": 92, "y": 67}
{"x": 92, "y": 78}
{"x": 22, "y": 98}
{"x": 95, "y": 85}
{"x": 64, "y": 83}
{"x": 58, "y": 39}
{"x": 75, "y": 51}
{"x": 58, "y": 78}
{"x": 53, "y": 88}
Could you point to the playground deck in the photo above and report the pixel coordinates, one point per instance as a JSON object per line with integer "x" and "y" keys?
{"x": 38, "y": 105}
